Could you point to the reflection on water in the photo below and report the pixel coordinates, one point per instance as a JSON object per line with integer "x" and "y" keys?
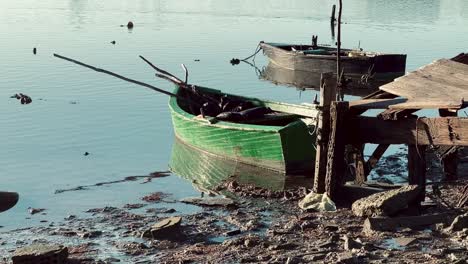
{"x": 311, "y": 80}
{"x": 207, "y": 171}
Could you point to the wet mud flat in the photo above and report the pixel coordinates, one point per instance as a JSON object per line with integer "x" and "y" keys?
{"x": 240, "y": 223}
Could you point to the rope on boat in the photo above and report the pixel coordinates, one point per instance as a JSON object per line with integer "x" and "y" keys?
{"x": 365, "y": 77}
{"x": 236, "y": 61}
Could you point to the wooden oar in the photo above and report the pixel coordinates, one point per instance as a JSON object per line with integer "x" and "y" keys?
{"x": 119, "y": 76}
{"x": 8, "y": 200}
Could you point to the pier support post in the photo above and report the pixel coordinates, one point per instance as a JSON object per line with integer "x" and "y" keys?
{"x": 359, "y": 164}
{"x": 450, "y": 161}
{"x": 336, "y": 164}
{"x": 417, "y": 167}
{"x": 327, "y": 95}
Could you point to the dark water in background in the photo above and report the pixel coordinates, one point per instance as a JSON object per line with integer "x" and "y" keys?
{"x": 127, "y": 129}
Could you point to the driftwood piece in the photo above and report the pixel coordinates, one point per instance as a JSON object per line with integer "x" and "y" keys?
{"x": 336, "y": 149}
{"x": 463, "y": 200}
{"x": 374, "y": 159}
{"x": 429, "y": 131}
{"x": 392, "y": 224}
{"x": 327, "y": 95}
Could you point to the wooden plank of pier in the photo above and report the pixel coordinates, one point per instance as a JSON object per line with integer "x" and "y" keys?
{"x": 443, "y": 79}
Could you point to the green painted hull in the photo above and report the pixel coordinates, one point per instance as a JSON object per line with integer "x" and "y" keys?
{"x": 288, "y": 149}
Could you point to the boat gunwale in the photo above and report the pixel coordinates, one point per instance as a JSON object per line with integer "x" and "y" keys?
{"x": 327, "y": 57}
{"x": 176, "y": 109}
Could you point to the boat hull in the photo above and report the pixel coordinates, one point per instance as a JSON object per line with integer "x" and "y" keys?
{"x": 287, "y": 149}
{"x": 381, "y": 65}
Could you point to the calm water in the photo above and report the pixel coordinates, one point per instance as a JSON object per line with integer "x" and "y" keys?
{"x": 127, "y": 129}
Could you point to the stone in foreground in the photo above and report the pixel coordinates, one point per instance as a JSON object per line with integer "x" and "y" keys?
{"x": 40, "y": 253}
{"x": 386, "y": 203}
{"x": 166, "y": 229}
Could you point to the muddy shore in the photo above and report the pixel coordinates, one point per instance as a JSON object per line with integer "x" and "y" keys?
{"x": 248, "y": 225}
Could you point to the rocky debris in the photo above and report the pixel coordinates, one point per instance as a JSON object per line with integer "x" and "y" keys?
{"x": 154, "y": 197}
{"x": 134, "y": 206}
{"x": 166, "y": 229}
{"x": 350, "y": 244}
{"x": 90, "y": 234}
{"x": 161, "y": 210}
{"x": 458, "y": 224}
{"x": 233, "y": 232}
{"x": 372, "y": 224}
{"x": 35, "y": 210}
{"x": 386, "y": 203}
{"x": 24, "y": 99}
{"x": 40, "y": 253}
{"x": 210, "y": 201}
{"x": 405, "y": 241}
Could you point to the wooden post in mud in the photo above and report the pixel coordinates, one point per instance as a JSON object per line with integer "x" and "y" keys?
{"x": 327, "y": 95}
{"x": 336, "y": 164}
{"x": 359, "y": 164}
{"x": 450, "y": 161}
{"x": 417, "y": 167}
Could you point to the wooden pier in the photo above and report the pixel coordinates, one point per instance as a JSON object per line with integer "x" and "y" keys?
{"x": 343, "y": 131}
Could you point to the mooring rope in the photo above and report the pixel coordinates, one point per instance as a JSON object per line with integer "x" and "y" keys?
{"x": 236, "y": 61}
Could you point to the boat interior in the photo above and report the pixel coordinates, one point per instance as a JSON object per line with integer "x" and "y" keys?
{"x": 234, "y": 109}
{"x": 314, "y": 50}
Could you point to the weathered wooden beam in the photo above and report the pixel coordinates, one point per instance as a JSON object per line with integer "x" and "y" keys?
{"x": 336, "y": 165}
{"x": 374, "y": 159}
{"x": 403, "y": 103}
{"x": 417, "y": 167}
{"x": 327, "y": 95}
{"x": 452, "y": 131}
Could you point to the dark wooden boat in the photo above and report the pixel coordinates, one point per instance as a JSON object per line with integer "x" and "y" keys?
{"x": 355, "y": 63}
{"x": 8, "y": 200}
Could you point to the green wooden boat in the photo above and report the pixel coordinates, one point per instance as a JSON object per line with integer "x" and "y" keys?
{"x": 282, "y": 142}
